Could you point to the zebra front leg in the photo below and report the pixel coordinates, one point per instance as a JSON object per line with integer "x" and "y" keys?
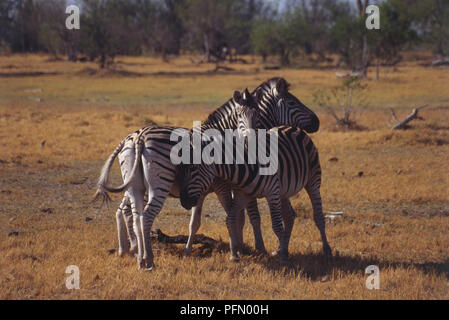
{"x": 288, "y": 217}
{"x": 195, "y": 223}
{"x": 254, "y": 218}
{"x": 238, "y": 204}
{"x": 315, "y": 198}
{"x": 274, "y": 202}
{"x": 240, "y": 226}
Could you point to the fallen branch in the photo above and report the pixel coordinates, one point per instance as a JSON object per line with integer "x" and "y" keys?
{"x": 404, "y": 123}
{"x": 440, "y": 62}
{"x": 218, "y": 68}
{"x": 348, "y": 74}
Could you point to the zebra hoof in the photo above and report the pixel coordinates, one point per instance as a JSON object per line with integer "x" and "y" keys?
{"x": 146, "y": 266}
{"x": 187, "y": 252}
{"x": 283, "y": 259}
{"x": 149, "y": 268}
{"x": 122, "y": 253}
{"x": 133, "y": 250}
{"x": 261, "y": 249}
{"x": 328, "y": 258}
{"x": 234, "y": 259}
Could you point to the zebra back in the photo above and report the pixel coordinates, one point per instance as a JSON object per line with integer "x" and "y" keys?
{"x": 298, "y": 165}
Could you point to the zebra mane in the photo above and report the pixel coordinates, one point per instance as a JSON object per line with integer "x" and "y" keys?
{"x": 271, "y": 84}
{"x": 223, "y": 112}
{"x": 218, "y": 114}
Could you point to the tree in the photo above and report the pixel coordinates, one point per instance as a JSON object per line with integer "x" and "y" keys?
{"x": 348, "y": 97}
{"x": 51, "y": 30}
{"x": 25, "y": 32}
{"x": 346, "y": 39}
{"x": 361, "y": 9}
{"x": 282, "y": 36}
{"x": 433, "y": 19}
{"x": 6, "y": 20}
{"x": 167, "y": 38}
{"x": 396, "y": 31}
{"x": 212, "y": 25}
{"x": 108, "y": 29}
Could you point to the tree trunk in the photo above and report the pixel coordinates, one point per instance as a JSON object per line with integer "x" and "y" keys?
{"x": 264, "y": 57}
{"x": 377, "y": 69}
{"x": 361, "y": 7}
{"x": 364, "y": 66}
{"x": 102, "y": 61}
{"x": 285, "y": 59}
{"x": 206, "y": 48}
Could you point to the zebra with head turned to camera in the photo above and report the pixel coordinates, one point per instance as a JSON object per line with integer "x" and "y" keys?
{"x": 277, "y": 106}
{"x": 153, "y": 151}
{"x": 276, "y": 103}
{"x": 298, "y": 168}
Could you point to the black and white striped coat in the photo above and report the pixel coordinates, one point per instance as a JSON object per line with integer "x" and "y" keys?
{"x": 298, "y": 168}
{"x": 277, "y": 105}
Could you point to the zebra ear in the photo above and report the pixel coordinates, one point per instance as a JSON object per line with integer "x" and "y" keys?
{"x": 238, "y": 97}
{"x": 259, "y": 95}
{"x": 282, "y": 86}
{"x": 248, "y": 97}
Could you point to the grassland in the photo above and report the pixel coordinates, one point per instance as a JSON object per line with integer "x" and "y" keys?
{"x": 59, "y": 121}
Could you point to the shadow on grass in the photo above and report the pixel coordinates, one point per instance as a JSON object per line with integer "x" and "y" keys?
{"x": 28, "y": 74}
{"x": 113, "y": 72}
{"x": 311, "y": 265}
{"x": 314, "y": 266}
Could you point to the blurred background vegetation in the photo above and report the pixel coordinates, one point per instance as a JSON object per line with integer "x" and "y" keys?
{"x": 327, "y": 30}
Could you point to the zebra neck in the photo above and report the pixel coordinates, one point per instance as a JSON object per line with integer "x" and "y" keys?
{"x": 221, "y": 125}
{"x": 269, "y": 112}
{"x": 222, "y": 118}
{"x": 241, "y": 175}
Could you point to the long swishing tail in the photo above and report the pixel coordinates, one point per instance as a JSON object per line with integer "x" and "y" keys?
{"x": 102, "y": 187}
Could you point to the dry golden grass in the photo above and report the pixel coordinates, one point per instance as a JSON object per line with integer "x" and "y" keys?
{"x": 396, "y": 215}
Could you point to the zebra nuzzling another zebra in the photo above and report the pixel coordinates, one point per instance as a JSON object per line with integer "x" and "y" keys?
{"x": 155, "y": 173}
{"x": 157, "y": 178}
{"x": 298, "y": 168}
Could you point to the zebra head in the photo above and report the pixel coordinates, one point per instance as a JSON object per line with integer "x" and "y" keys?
{"x": 195, "y": 181}
{"x": 283, "y": 108}
{"x": 247, "y": 112}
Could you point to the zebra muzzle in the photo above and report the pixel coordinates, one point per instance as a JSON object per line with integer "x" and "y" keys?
{"x": 186, "y": 202}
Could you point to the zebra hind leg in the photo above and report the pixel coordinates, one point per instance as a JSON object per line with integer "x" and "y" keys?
{"x": 232, "y": 222}
{"x": 152, "y": 209}
{"x": 128, "y": 217}
{"x": 124, "y": 246}
{"x": 136, "y": 200}
{"x": 315, "y": 198}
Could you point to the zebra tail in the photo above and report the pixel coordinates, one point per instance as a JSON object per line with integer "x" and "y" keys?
{"x": 104, "y": 176}
{"x": 104, "y": 187}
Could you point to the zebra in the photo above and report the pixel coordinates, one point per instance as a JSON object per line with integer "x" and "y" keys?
{"x": 298, "y": 168}
{"x": 276, "y": 106}
{"x": 151, "y": 146}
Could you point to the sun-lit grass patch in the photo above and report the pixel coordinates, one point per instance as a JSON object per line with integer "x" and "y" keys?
{"x": 58, "y": 124}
